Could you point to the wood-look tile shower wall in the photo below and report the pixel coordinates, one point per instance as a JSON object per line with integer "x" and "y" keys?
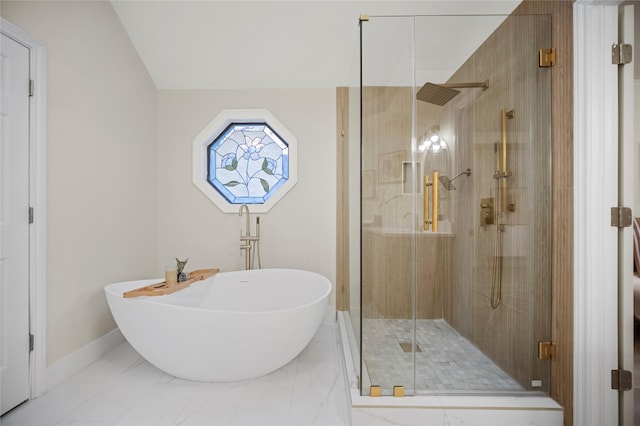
{"x": 509, "y": 333}
{"x": 561, "y": 13}
{"x": 387, "y": 243}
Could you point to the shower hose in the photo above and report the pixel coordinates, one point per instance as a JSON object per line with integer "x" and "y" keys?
{"x": 496, "y": 276}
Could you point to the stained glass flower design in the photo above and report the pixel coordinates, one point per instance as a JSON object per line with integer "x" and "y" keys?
{"x": 248, "y": 162}
{"x": 253, "y": 147}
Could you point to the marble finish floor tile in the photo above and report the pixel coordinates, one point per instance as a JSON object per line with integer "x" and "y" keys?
{"x": 123, "y": 389}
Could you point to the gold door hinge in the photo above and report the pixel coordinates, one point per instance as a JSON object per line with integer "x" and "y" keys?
{"x": 621, "y": 217}
{"x": 546, "y": 350}
{"x": 621, "y": 380}
{"x": 547, "y": 57}
{"x": 621, "y": 54}
{"x": 398, "y": 391}
{"x": 375, "y": 391}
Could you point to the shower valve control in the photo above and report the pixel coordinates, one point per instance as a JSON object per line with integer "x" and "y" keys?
{"x": 486, "y": 212}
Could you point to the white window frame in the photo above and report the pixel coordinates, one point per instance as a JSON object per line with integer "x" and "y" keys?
{"x": 214, "y": 129}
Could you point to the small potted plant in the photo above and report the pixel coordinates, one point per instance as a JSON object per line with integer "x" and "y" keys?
{"x": 182, "y": 276}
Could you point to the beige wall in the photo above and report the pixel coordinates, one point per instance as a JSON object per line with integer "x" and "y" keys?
{"x": 101, "y": 158}
{"x": 298, "y": 232}
{"x": 121, "y": 203}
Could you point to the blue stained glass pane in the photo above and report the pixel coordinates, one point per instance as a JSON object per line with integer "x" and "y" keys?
{"x": 247, "y": 163}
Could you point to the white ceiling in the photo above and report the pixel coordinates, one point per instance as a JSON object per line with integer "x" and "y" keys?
{"x": 237, "y": 44}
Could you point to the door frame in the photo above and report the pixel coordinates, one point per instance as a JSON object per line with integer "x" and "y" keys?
{"x": 595, "y": 192}
{"x": 37, "y": 200}
{"x": 626, "y": 165}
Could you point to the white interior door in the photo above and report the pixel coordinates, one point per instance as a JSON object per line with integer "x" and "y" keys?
{"x": 14, "y": 224}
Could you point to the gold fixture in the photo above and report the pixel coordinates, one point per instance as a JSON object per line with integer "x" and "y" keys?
{"x": 503, "y": 173}
{"x": 440, "y": 94}
{"x": 364, "y": 18}
{"x": 398, "y": 391}
{"x": 487, "y": 216}
{"x": 407, "y": 347}
{"x": 375, "y": 390}
{"x": 447, "y": 182}
{"x": 434, "y": 213}
{"x": 547, "y": 57}
{"x": 431, "y": 215}
{"x": 546, "y": 350}
{"x": 425, "y": 210}
{"x": 496, "y": 273}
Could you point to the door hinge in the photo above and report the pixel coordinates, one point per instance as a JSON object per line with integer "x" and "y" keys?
{"x": 621, "y": 217}
{"x": 30, "y": 215}
{"x": 31, "y": 342}
{"x": 547, "y": 57}
{"x": 621, "y": 54}
{"x": 31, "y": 88}
{"x": 621, "y": 380}
{"x": 546, "y": 350}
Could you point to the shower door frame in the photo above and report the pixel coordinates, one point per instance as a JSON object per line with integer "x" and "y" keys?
{"x": 562, "y": 366}
{"x": 415, "y": 236}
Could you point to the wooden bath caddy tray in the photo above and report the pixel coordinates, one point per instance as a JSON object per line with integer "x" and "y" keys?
{"x": 163, "y": 288}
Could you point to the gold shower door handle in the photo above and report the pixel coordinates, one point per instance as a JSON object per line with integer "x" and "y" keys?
{"x": 434, "y": 212}
{"x": 427, "y": 213}
{"x": 425, "y": 210}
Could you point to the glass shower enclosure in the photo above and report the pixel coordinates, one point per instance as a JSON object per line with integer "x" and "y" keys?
{"x": 455, "y": 205}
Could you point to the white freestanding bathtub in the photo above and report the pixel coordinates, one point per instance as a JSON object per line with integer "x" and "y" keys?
{"x": 232, "y": 326}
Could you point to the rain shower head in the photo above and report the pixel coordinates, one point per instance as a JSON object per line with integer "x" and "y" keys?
{"x": 448, "y": 183}
{"x": 440, "y": 94}
{"x": 436, "y": 94}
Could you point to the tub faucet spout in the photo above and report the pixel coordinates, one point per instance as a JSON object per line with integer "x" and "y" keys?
{"x": 247, "y": 229}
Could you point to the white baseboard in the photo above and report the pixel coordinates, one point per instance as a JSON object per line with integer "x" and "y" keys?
{"x": 80, "y": 359}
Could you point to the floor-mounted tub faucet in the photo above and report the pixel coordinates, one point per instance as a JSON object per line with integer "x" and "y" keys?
{"x": 247, "y": 241}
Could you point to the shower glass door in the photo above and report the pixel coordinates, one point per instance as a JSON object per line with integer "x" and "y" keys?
{"x": 455, "y": 204}
{"x": 389, "y": 175}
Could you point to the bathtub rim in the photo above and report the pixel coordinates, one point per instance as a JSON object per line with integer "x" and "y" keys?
{"x": 153, "y": 299}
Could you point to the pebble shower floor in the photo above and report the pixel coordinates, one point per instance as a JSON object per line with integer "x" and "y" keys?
{"x": 448, "y": 361}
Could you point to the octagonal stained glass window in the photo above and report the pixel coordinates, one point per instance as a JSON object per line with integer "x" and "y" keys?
{"x": 248, "y": 163}
{"x": 245, "y": 156}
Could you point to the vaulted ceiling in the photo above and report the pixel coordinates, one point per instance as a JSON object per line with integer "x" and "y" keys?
{"x": 282, "y": 44}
